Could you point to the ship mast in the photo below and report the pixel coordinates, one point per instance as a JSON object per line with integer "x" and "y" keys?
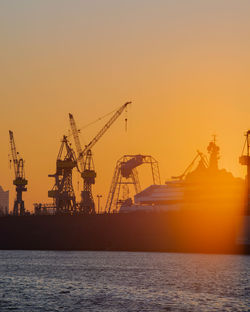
{"x": 213, "y": 150}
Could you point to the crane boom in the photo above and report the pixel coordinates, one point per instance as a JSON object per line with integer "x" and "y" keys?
{"x": 184, "y": 174}
{"x": 104, "y": 129}
{"x": 77, "y": 141}
{"x": 14, "y": 153}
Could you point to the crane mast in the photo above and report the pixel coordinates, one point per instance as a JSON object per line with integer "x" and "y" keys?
{"x": 85, "y": 160}
{"x": 88, "y": 174}
{"x": 77, "y": 141}
{"x": 20, "y": 182}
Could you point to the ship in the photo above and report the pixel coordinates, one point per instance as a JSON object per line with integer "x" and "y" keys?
{"x": 203, "y": 211}
{"x": 206, "y": 185}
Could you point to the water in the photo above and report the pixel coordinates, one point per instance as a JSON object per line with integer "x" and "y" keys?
{"x": 123, "y": 281}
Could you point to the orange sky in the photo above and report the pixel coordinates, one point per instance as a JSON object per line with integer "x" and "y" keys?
{"x": 184, "y": 64}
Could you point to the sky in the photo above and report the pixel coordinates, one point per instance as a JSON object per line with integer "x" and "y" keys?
{"x": 184, "y": 65}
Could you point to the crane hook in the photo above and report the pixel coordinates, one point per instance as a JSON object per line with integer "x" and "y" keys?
{"x": 126, "y": 119}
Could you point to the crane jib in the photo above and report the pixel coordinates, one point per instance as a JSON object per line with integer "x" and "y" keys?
{"x": 105, "y": 128}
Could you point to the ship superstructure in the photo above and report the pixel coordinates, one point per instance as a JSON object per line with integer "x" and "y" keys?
{"x": 204, "y": 186}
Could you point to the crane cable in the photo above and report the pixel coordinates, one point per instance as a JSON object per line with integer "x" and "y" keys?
{"x": 92, "y": 122}
{"x": 98, "y": 119}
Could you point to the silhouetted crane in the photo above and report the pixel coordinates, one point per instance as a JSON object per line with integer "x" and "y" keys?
{"x": 62, "y": 191}
{"x": 190, "y": 166}
{"x": 86, "y": 163}
{"x": 20, "y": 182}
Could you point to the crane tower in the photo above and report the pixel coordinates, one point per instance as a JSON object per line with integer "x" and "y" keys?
{"x": 62, "y": 191}
{"x": 88, "y": 174}
{"x": 20, "y": 182}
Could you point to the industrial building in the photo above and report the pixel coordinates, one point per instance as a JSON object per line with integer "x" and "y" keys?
{"x": 4, "y": 202}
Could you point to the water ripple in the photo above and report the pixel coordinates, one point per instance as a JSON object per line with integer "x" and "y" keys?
{"x": 123, "y": 281}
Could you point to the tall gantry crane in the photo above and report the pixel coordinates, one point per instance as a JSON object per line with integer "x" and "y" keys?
{"x": 126, "y": 174}
{"x": 85, "y": 160}
{"x": 20, "y": 182}
{"x": 62, "y": 191}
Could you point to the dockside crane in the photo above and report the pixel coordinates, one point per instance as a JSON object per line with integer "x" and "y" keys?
{"x": 62, "y": 191}
{"x": 88, "y": 174}
{"x": 86, "y": 163}
{"x": 20, "y": 182}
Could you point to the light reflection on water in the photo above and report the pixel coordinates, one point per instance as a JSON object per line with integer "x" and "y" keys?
{"x": 123, "y": 281}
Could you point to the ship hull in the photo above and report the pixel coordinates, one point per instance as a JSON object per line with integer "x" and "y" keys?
{"x": 154, "y": 232}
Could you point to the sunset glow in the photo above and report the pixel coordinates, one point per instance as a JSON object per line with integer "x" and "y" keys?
{"x": 125, "y": 155}
{"x": 186, "y": 71}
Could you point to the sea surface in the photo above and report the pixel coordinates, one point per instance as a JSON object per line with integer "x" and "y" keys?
{"x": 123, "y": 281}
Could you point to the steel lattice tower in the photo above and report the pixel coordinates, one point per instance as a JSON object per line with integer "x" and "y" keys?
{"x": 63, "y": 191}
